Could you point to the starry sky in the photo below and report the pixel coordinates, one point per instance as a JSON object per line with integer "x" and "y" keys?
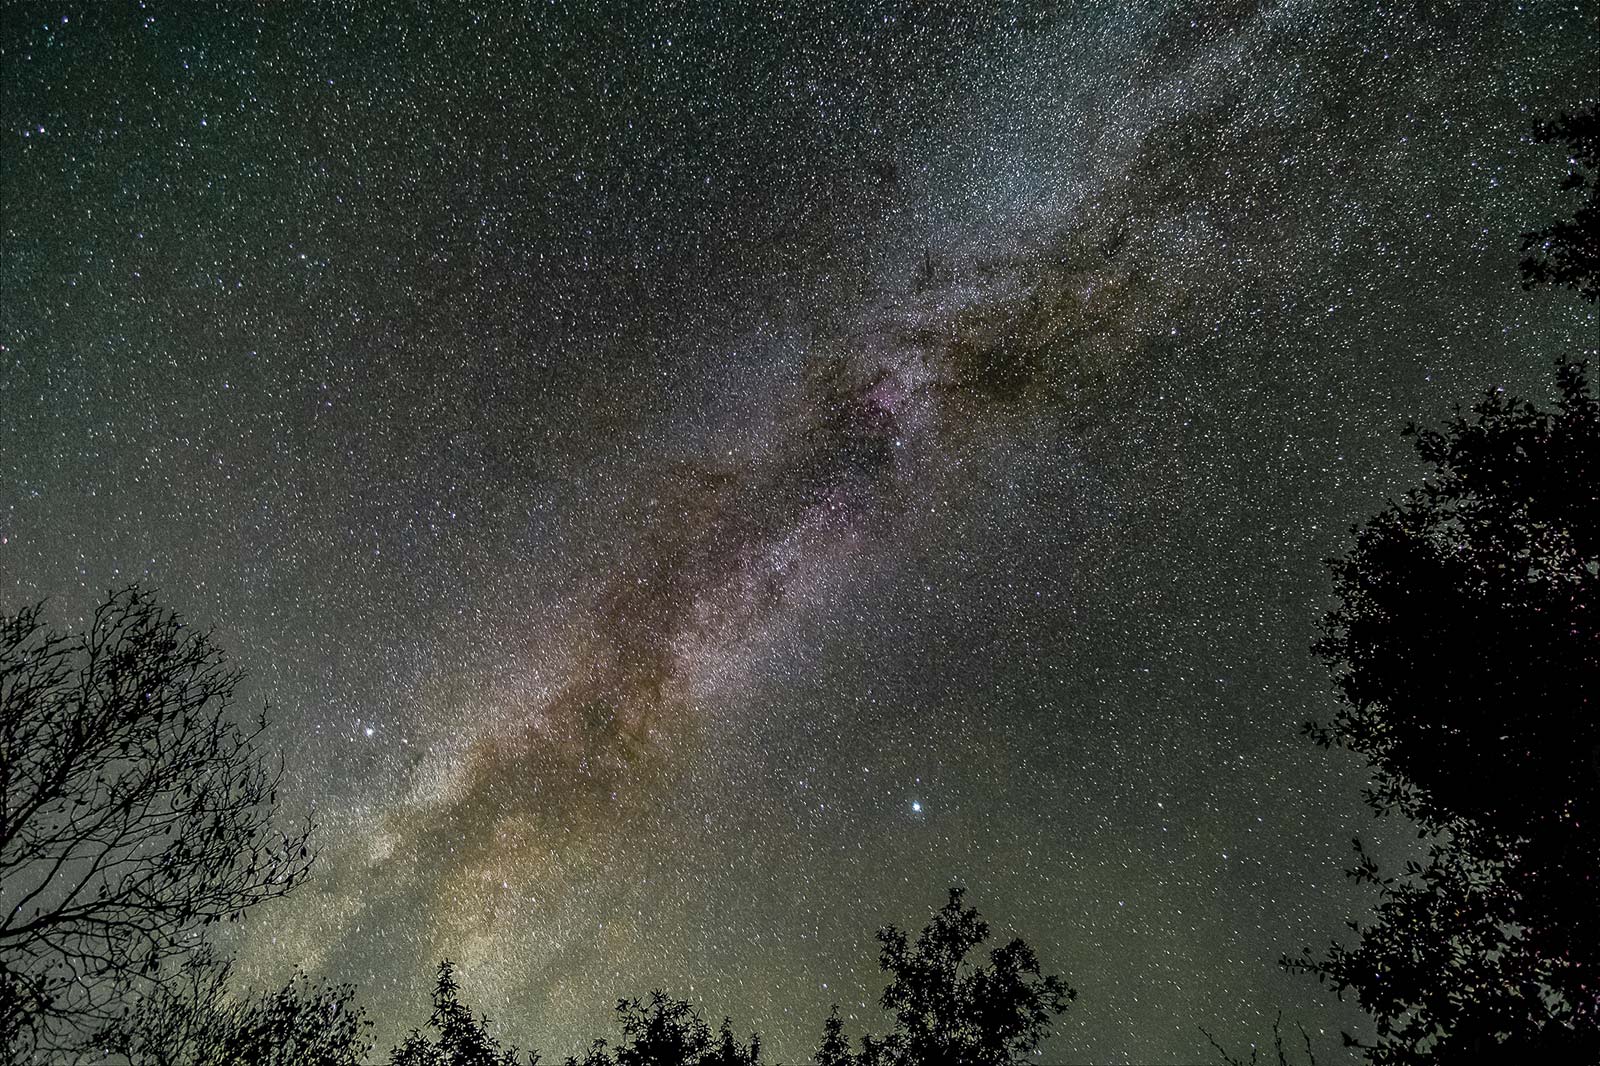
{"x": 694, "y": 481}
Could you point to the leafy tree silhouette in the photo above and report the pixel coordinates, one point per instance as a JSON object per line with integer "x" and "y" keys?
{"x": 670, "y": 1032}
{"x": 948, "y": 1010}
{"x": 1567, "y": 253}
{"x": 190, "y": 1018}
{"x": 1466, "y": 652}
{"x": 135, "y": 810}
{"x": 835, "y": 1047}
{"x": 463, "y": 1039}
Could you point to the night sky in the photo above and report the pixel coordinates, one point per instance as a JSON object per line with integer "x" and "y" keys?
{"x": 694, "y": 482}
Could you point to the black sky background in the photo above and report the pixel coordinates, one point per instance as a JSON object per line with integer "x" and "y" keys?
{"x": 695, "y": 481}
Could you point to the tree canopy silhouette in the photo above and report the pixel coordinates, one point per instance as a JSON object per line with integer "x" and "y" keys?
{"x": 134, "y": 811}
{"x": 1466, "y": 652}
{"x": 948, "y": 1009}
{"x": 1567, "y": 253}
{"x": 191, "y": 1018}
{"x": 670, "y": 1032}
{"x": 463, "y": 1039}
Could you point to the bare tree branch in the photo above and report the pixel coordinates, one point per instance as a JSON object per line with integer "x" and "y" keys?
{"x": 135, "y": 810}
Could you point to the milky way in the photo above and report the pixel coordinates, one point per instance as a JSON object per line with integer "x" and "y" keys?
{"x": 694, "y": 484}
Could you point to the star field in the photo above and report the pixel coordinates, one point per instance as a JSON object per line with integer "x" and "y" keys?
{"x": 693, "y": 482}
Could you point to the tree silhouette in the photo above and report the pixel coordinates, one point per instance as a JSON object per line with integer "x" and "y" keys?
{"x": 134, "y": 811}
{"x": 190, "y": 1018}
{"x": 1281, "y": 1056}
{"x": 948, "y": 1009}
{"x": 1567, "y": 253}
{"x": 835, "y": 1047}
{"x": 1466, "y": 652}
{"x": 670, "y": 1032}
{"x": 463, "y": 1039}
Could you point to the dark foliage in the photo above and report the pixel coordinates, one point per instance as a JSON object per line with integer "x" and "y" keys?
{"x": 670, "y": 1032}
{"x": 191, "y": 1019}
{"x": 948, "y": 1009}
{"x": 463, "y": 1040}
{"x": 1567, "y": 253}
{"x": 835, "y": 1047}
{"x": 1466, "y": 651}
{"x": 134, "y": 811}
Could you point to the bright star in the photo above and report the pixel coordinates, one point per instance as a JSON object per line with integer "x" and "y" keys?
{"x": 916, "y": 808}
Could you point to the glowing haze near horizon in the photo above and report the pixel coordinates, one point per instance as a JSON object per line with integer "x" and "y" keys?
{"x": 693, "y": 483}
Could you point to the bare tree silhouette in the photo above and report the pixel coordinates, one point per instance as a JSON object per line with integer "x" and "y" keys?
{"x": 135, "y": 810}
{"x": 1280, "y": 1051}
{"x": 191, "y": 1018}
